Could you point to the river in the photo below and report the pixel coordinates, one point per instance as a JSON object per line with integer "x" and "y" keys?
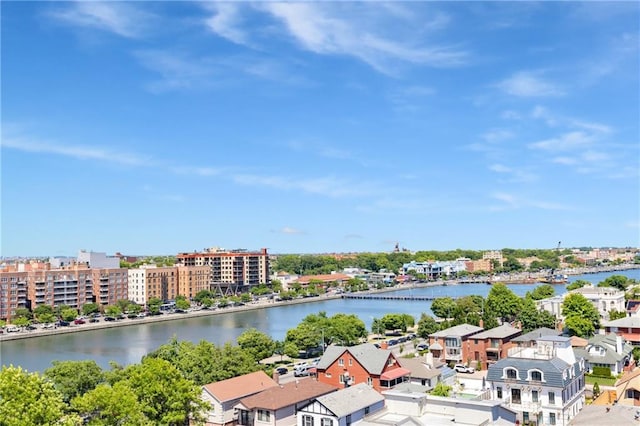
{"x": 127, "y": 345}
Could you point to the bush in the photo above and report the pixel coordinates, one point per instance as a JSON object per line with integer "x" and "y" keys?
{"x": 601, "y": 371}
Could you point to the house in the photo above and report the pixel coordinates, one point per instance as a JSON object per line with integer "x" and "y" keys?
{"x": 633, "y": 308}
{"x": 450, "y": 345}
{"x": 544, "y": 385}
{"x": 341, "y": 408}
{"x": 405, "y": 407}
{"x": 346, "y": 366}
{"x": 628, "y": 389}
{"x": 423, "y": 371}
{"x": 530, "y": 339}
{"x": 628, "y": 328}
{"x": 606, "y": 350}
{"x": 487, "y": 347}
{"x": 604, "y": 299}
{"x": 224, "y": 395}
{"x": 277, "y": 406}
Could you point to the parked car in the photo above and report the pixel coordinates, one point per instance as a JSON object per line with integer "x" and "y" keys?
{"x": 422, "y": 347}
{"x": 94, "y": 319}
{"x": 31, "y": 327}
{"x": 392, "y": 342}
{"x": 62, "y": 323}
{"x": 461, "y": 368}
{"x": 109, "y": 319}
{"x": 282, "y": 370}
{"x": 48, "y": 325}
{"x": 302, "y": 370}
{"x": 79, "y": 321}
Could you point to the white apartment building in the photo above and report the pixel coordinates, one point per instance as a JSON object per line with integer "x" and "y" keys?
{"x": 604, "y": 299}
{"x": 542, "y": 384}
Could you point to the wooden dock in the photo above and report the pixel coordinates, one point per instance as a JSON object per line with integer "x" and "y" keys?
{"x": 389, "y": 297}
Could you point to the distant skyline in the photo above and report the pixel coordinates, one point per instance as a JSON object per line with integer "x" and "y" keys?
{"x": 311, "y": 127}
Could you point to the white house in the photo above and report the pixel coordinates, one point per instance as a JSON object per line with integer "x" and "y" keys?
{"x": 341, "y": 408}
{"x": 543, "y": 384}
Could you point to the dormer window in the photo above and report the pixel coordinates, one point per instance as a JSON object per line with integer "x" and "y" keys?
{"x": 511, "y": 373}
{"x": 535, "y": 375}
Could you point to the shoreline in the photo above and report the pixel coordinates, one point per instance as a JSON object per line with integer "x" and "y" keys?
{"x": 266, "y": 304}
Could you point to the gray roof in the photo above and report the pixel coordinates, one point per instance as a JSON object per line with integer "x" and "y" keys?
{"x": 372, "y": 359}
{"x": 350, "y": 400}
{"x": 624, "y": 322}
{"x": 608, "y": 342}
{"x": 536, "y": 334}
{"x": 500, "y": 332}
{"x": 458, "y": 330}
{"x": 618, "y": 415}
{"x": 551, "y": 370}
{"x": 418, "y": 368}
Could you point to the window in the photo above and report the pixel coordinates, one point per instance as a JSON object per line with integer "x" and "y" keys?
{"x": 341, "y": 362}
{"x": 552, "y": 398}
{"x": 511, "y": 373}
{"x": 515, "y": 396}
{"x": 552, "y": 418}
{"x": 325, "y": 421}
{"x": 369, "y": 381}
{"x": 265, "y": 416}
{"x": 536, "y": 375}
{"x": 350, "y": 362}
{"x": 534, "y": 396}
{"x": 307, "y": 420}
{"x": 499, "y": 392}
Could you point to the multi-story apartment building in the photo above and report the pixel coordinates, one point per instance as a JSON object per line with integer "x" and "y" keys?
{"x": 193, "y": 279}
{"x": 72, "y": 287}
{"x": 150, "y": 281}
{"x": 13, "y": 293}
{"x": 234, "y": 270}
{"x": 490, "y": 346}
{"x": 110, "y": 285}
{"x": 543, "y": 384}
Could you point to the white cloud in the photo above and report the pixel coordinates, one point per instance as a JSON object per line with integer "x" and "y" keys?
{"x": 316, "y": 29}
{"x": 499, "y": 168}
{"x": 226, "y": 22}
{"x": 513, "y": 202}
{"x": 198, "y": 171}
{"x": 80, "y": 152}
{"x": 120, "y": 18}
{"x": 527, "y": 84}
{"x": 497, "y": 135}
{"x": 565, "y": 142}
{"x": 177, "y": 71}
{"x": 327, "y": 186}
{"x": 290, "y": 231}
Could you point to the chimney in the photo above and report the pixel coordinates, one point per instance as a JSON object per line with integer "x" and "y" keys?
{"x": 481, "y": 323}
{"x": 276, "y": 376}
{"x": 428, "y": 359}
{"x": 384, "y": 345}
{"x": 619, "y": 344}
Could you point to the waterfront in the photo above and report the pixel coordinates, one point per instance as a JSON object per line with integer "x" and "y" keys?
{"x": 126, "y": 345}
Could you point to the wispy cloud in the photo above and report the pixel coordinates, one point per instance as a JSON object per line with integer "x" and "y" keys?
{"x": 512, "y": 202}
{"x": 528, "y": 84}
{"x": 198, "y": 171}
{"x": 121, "y": 18}
{"x": 329, "y": 186}
{"x": 81, "y": 152}
{"x": 353, "y": 237}
{"x": 287, "y": 230}
{"x": 515, "y": 174}
{"x": 566, "y": 142}
{"x": 497, "y": 135}
{"x": 177, "y": 71}
{"x": 227, "y": 21}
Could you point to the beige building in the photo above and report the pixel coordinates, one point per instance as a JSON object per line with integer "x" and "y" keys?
{"x": 193, "y": 279}
{"x": 110, "y": 285}
{"x": 234, "y": 270}
{"x": 13, "y": 293}
{"x": 150, "y": 281}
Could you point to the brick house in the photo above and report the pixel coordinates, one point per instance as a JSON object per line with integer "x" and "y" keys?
{"x": 628, "y": 328}
{"x": 450, "y": 345}
{"x": 488, "y": 347}
{"x": 345, "y": 366}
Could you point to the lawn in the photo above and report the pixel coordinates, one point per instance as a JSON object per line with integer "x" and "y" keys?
{"x": 602, "y": 381}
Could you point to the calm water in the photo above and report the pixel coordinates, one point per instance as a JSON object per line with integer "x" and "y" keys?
{"x": 127, "y": 345}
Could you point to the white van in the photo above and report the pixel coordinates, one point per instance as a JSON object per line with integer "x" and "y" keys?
{"x": 12, "y": 328}
{"x": 301, "y": 370}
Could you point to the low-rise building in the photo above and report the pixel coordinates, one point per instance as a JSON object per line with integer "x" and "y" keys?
{"x": 489, "y": 346}
{"x": 628, "y": 328}
{"x": 278, "y": 405}
{"x": 223, "y": 396}
{"x": 365, "y": 363}
{"x": 606, "y": 350}
{"x": 341, "y": 408}
{"x": 450, "y": 345}
{"x": 544, "y": 384}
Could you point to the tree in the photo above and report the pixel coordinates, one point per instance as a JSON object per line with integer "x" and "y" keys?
{"x": 258, "y": 344}
{"x": 123, "y": 304}
{"x": 503, "y": 301}
{"x": 153, "y": 305}
{"x": 346, "y": 328}
{"x": 441, "y": 389}
{"x": 394, "y": 322}
{"x": 182, "y": 303}
{"x": 28, "y": 399}
{"x": 69, "y": 314}
{"x": 427, "y": 325}
{"x": 617, "y": 281}
{"x": 21, "y": 321}
{"x": 113, "y": 311}
{"x": 614, "y": 315}
{"x": 165, "y": 396}
{"x": 596, "y": 389}
{"x": 468, "y": 310}
{"x": 23, "y": 312}
{"x": 111, "y": 405}
{"x": 42, "y": 310}
{"x": 443, "y": 307}
{"x": 582, "y": 318}
{"x": 543, "y": 291}
{"x": 90, "y": 308}
{"x": 578, "y": 284}
{"x": 46, "y": 318}
{"x": 74, "y": 378}
{"x": 531, "y": 317}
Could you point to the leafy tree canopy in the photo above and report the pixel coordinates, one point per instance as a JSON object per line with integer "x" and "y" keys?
{"x": 543, "y": 291}
{"x": 258, "y": 344}
{"x": 73, "y": 378}
{"x": 578, "y": 284}
{"x": 427, "y": 325}
{"x": 503, "y": 301}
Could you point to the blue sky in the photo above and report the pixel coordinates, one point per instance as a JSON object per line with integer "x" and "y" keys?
{"x": 164, "y": 127}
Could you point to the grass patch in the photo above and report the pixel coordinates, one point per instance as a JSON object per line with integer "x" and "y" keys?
{"x": 602, "y": 381}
